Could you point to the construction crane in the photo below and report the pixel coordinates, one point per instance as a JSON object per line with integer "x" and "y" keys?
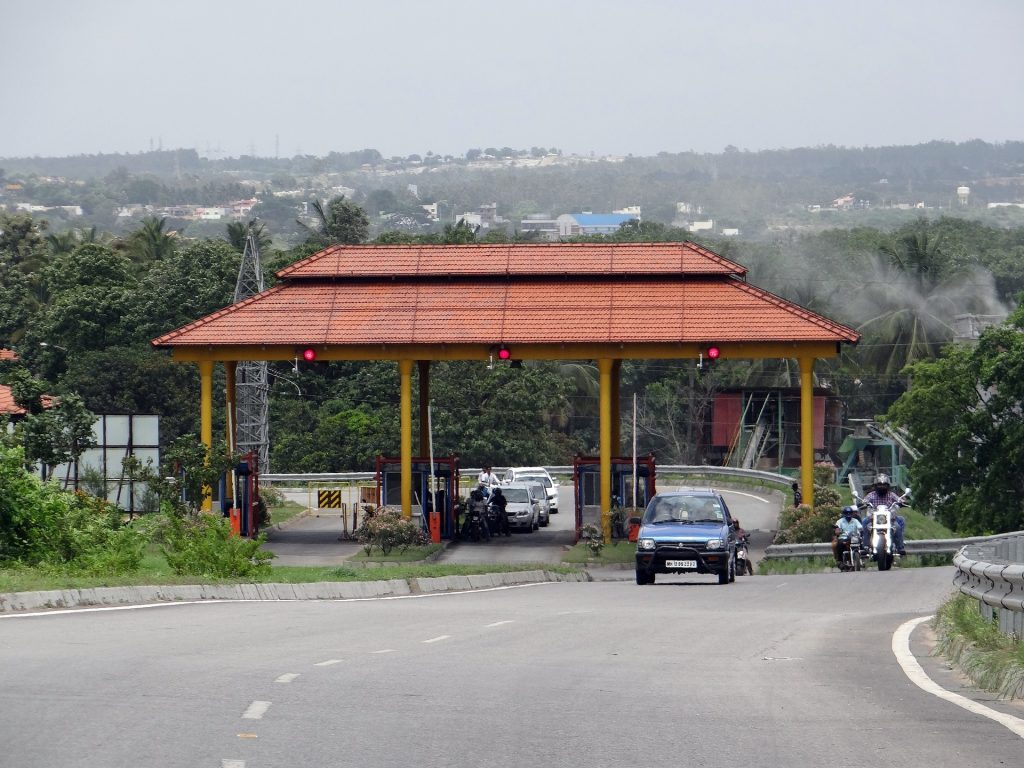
{"x": 251, "y": 383}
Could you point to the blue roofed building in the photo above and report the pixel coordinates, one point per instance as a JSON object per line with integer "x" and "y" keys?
{"x": 575, "y": 224}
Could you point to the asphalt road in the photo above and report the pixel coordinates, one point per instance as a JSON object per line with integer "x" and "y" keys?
{"x": 769, "y": 671}
{"x": 314, "y": 540}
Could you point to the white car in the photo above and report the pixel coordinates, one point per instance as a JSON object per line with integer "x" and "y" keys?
{"x": 527, "y": 474}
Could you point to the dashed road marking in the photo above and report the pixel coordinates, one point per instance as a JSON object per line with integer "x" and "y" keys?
{"x": 327, "y": 663}
{"x": 287, "y": 677}
{"x": 232, "y": 764}
{"x": 384, "y": 650}
{"x": 256, "y": 710}
{"x": 499, "y": 623}
{"x": 917, "y": 675}
{"x": 437, "y": 639}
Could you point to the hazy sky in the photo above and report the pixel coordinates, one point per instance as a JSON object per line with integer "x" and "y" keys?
{"x": 404, "y": 76}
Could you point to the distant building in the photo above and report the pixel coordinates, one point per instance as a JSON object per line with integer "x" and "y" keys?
{"x": 629, "y": 210}
{"x": 576, "y": 224}
{"x": 730, "y": 232}
{"x": 702, "y": 226}
{"x": 541, "y": 225}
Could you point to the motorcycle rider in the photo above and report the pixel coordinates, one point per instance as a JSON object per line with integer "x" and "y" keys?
{"x": 499, "y": 502}
{"x": 847, "y": 525}
{"x": 477, "y": 506}
{"x": 741, "y": 538}
{"x": 486, "y": 481}
{"x": 883, "y": 494}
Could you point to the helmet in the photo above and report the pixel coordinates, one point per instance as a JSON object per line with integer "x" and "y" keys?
{"x": 849, "y": 511}
{"x": 882, "y": 480}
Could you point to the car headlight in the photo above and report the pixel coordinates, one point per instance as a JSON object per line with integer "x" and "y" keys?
{"x": 646, "y": 543}
{"x": 714, "y": 544}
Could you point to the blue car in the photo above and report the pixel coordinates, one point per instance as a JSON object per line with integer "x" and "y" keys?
{"x": 686, "y": 531}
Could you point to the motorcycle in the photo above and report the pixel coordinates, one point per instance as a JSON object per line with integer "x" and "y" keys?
{"x": 848, "y": 549}
{"x": 475, "y": 526}
{"x": 881, "y": 527}
{"x": 743, "y": 564}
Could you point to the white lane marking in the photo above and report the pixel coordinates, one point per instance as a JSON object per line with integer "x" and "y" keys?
{"x": 66, "y": 611}
{"x": 437, "y": 639}
{"x": 917, "y": 675}
{"x": 499, "y": 623}
{"x": 748, "y": 495}
{"x": 232, "y": 764}
{"x": 327, "y": 663}
{"x": 287, "y": 677}
{"x": 385, "y": 650}
{"x": 780, "y": 586}
{"x": 256, "y": 710}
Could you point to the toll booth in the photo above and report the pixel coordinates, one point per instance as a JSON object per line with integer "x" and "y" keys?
{"x": 446, "y": 472}
{"x": 586, "y": 478}
{"x": 245, "y": 511}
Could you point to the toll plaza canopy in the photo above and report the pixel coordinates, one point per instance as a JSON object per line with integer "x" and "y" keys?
{"x": 556, "y": 301}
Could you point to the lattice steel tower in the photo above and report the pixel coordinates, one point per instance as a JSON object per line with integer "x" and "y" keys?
{"x": 251, "y": 383}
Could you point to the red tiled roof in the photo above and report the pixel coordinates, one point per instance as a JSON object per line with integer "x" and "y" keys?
{"x": 11, "y": 408}
{"x": 7, "y": 354}
{"x": 554, "y": 293}
{"x": 519, "y": 259}
{"x": 7, "y": 404}
{"x": 526, "y": 311}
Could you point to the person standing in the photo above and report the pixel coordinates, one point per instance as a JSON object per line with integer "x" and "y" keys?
{"x": 499, "y": 502}
{"x": 798, "y": 498}
{"x": 487, "y": 481}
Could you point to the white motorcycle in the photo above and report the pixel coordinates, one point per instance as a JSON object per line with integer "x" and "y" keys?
{"x": 881, "y": 525}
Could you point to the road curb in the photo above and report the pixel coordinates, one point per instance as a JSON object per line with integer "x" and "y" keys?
{"x": 19, "y": 602}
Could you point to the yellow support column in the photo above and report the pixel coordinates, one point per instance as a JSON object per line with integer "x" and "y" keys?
{"x": 616, "y": 408}
{"x": 807, "y": 429}
{"x": 231, "y": 421}
{"x": 230, "y": 392}
{"x": 405, "y": 375}
{"x": 604, "y": 367}
{"x": 424, "y": 370}
{"x": 206, "y": 419}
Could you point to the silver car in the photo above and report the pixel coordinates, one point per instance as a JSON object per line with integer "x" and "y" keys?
{"x": 522, "y": 509}
{"x": 541, "y": 497}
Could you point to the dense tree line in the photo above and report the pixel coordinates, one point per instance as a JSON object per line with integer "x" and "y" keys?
{"x": 80, "y": 311}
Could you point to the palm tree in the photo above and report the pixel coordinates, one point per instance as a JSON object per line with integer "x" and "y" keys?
{"x": 238, "y": 233}
{"x": 341, "y": 221}
{"x": 149, "y": 242}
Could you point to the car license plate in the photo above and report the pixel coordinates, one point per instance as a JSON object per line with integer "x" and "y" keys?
{"x": 680, "y": 563}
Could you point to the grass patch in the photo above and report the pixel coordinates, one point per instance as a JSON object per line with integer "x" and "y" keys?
{"x": 156, "y": 572}
{"x": 300, "y": 574}
{"x": 794, "y": 565}
{"x": 921, "y": 526}
{"x": 281, "y": 513}
{"x": 410, "y": 555}
{"x": 992, "y": 660}
{"x": 619, "y": 551}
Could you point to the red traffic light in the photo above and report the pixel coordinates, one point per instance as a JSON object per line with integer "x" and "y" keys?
{"x": 504, "y": 353}
{"x": 713, "y": 353}
{"x": 309, "y": 354}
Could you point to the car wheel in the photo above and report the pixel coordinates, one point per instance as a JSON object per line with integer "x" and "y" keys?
{"x": 642, "y": 577}
{"x": 726, "y": 576}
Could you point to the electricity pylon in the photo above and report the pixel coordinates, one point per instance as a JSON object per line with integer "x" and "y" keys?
{"x": 251, "y": 383}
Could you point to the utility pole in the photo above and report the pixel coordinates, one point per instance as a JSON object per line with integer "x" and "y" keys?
{"x": 251, "y": 383}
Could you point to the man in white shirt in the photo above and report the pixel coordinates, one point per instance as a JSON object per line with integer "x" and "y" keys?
{"x": 487, "y": 480}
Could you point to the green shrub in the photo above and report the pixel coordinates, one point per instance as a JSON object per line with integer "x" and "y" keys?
{"x": 824, "y": 473}
{"x": 43, "y": 525}
{"x": 203, "y": 545}
{"x": 808, "y": 526}
{"x": 593, "y": 536}
{"x": 386, "y": 529}
{"x": 827, "y": 496}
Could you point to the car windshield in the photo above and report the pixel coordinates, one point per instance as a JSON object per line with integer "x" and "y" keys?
{"x": 683, "y": 509}
{"x": 538, "y": 479}
{"x": 517, "y": 495}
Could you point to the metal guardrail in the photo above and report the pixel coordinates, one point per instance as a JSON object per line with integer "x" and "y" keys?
{"x": 912, "y": 546}
{"x": 992, "y": 572}
{"x": 558, "y": 471}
